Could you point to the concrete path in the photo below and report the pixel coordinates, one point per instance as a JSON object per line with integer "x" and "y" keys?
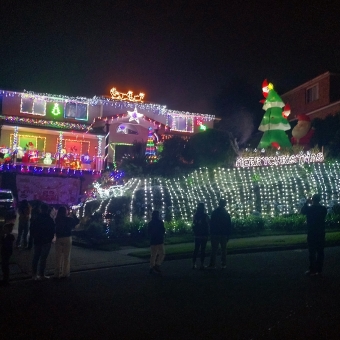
{"x": 81, "y": 259}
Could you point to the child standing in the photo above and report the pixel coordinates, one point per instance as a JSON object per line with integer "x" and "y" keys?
{"x": 7, "y": 239}
{"x": 156, "y": 232}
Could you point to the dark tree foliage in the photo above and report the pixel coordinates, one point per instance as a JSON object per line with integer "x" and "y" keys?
{"x": 327, "y": 134}
{"x": 173, "y": 149}
{"x": 171, "y": 160}
{"x": 210, "y": 148}
{"x": 238, "y": 106}
{"x": 326, "y": 131}
{"x": 134, "y": 163}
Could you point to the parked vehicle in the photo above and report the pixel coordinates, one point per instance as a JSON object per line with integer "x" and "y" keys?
{"x": 7, "y": 204}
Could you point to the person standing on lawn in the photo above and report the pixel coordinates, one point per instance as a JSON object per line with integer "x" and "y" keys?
{"x": 6, "y": 243}
{"x": 156, "y": 231}
{"x": 200, "y": 228}
{"x": 220, "y": 230}
{"x": 42, "y": 229}
{"x": 24, "y": 219}
{"x": 316, "y": 216}
{"x": 63, "y": 243}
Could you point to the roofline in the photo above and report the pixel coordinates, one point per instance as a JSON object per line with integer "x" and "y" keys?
{"x": 106, "y": 101}
{"x": 309, "y": 82}
{"x": 320, "y": 109}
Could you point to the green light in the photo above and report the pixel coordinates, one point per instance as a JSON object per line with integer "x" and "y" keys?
{"x": 56, "y": 110}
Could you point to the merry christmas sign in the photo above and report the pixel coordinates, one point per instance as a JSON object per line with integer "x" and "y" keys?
{"x": 51, "y": 190}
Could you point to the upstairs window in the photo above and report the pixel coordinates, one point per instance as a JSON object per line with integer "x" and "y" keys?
{"x": 312, "y": 93}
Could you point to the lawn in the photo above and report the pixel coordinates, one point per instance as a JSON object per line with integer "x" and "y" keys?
{"x": 245, "y": 244}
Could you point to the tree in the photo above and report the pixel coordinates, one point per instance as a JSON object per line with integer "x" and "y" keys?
{"x": 173, "y": 150}
{"x": 210, "y": 148}
{"x": 327, "y": 134}
{"x": 150, "y": 150}
{"x": 237, "y": 106}
{"x": 134, "y": 163}
{"x": 274, "y": 123}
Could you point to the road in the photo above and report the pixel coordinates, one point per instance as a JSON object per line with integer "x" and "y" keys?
{"x": 259, "y": 296}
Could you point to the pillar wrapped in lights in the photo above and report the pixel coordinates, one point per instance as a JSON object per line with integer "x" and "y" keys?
{"x": 15, "y": 139}
{"x": 60, "y": 145}
{"x": 107, "y": 140}
{"x": 99, "y": 159}
{"x": 99, "y": 147}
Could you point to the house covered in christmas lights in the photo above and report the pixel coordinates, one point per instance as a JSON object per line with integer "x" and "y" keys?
{"x": 66, "y": 140}
{"x": 82, "y": 133}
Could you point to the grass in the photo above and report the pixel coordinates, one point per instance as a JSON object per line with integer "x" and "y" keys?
{"x": 252, "y": 243}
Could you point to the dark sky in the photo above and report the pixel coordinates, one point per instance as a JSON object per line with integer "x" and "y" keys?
{"x": 180, "y": 53}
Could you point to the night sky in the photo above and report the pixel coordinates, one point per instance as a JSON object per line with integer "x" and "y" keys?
{"x": 179, "y": 53}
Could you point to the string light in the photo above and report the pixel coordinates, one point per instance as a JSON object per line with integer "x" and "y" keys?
{"x": 265, "y": 191}
{"x": 60, "y": 142}
{"x": 44, "y": 123}
{"x": 99, "y": 146}
{"x": 113, "y": 148}
{"x": 301, "y": 158}
{"x": 176, "y": 122}
{"x": 56, "y": 110}
{"x": 17, "y": 137}
{"x": 46, "y": 170}
{"x": 77, "y": 141}
{"x": 126, "y": 96}
{"x": 150, "y": 150}
{"x": 156, "y": 108}
{"x": 34, "y": 106}
{"x": 134, "y": 115}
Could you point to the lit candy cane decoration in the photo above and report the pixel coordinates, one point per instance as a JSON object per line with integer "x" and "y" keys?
{"x": 60, "y": 144}
{"x": 99, "y": 147}
{"x": 15, "y": 139}
{"x": 107, "y": 140}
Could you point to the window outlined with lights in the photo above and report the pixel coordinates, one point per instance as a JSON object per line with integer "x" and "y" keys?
{"x": 74, "y": 110}
{"x": 33, "y": 106}
{"x": 181, "y": 123}
{"x": 38, "y": 142}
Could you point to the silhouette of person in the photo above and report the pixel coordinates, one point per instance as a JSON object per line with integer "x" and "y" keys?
{"x": 220, "y": 230}
{"x": 156, "y": 231}
{"x": 316, "y": 215}
{"x": 201, "y": 232}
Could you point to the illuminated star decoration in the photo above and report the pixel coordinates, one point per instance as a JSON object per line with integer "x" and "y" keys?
{"x": 134, "y": 115}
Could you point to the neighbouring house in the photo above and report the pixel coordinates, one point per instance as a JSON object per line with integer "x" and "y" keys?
{"x": 317, "y": 98}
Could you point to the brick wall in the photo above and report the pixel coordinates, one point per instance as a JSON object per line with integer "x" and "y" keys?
{"x": 297, "y": 97}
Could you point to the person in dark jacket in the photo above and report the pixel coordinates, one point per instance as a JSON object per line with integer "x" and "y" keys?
{"x": 156, "y": 231}
{"x": 200, "y": 228}
{"x": 63, "y": 244}
{"x": 220, "y": 230}
{"x": 6, "y": 242}
{"x": 42, "y": 229}
{"x": 316, "y": 215}
{"x": 35, "y": 211}
{"x": 24, "y": 211}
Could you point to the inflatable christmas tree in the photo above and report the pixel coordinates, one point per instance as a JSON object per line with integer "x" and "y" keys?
{"x": 274, "y": 122}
